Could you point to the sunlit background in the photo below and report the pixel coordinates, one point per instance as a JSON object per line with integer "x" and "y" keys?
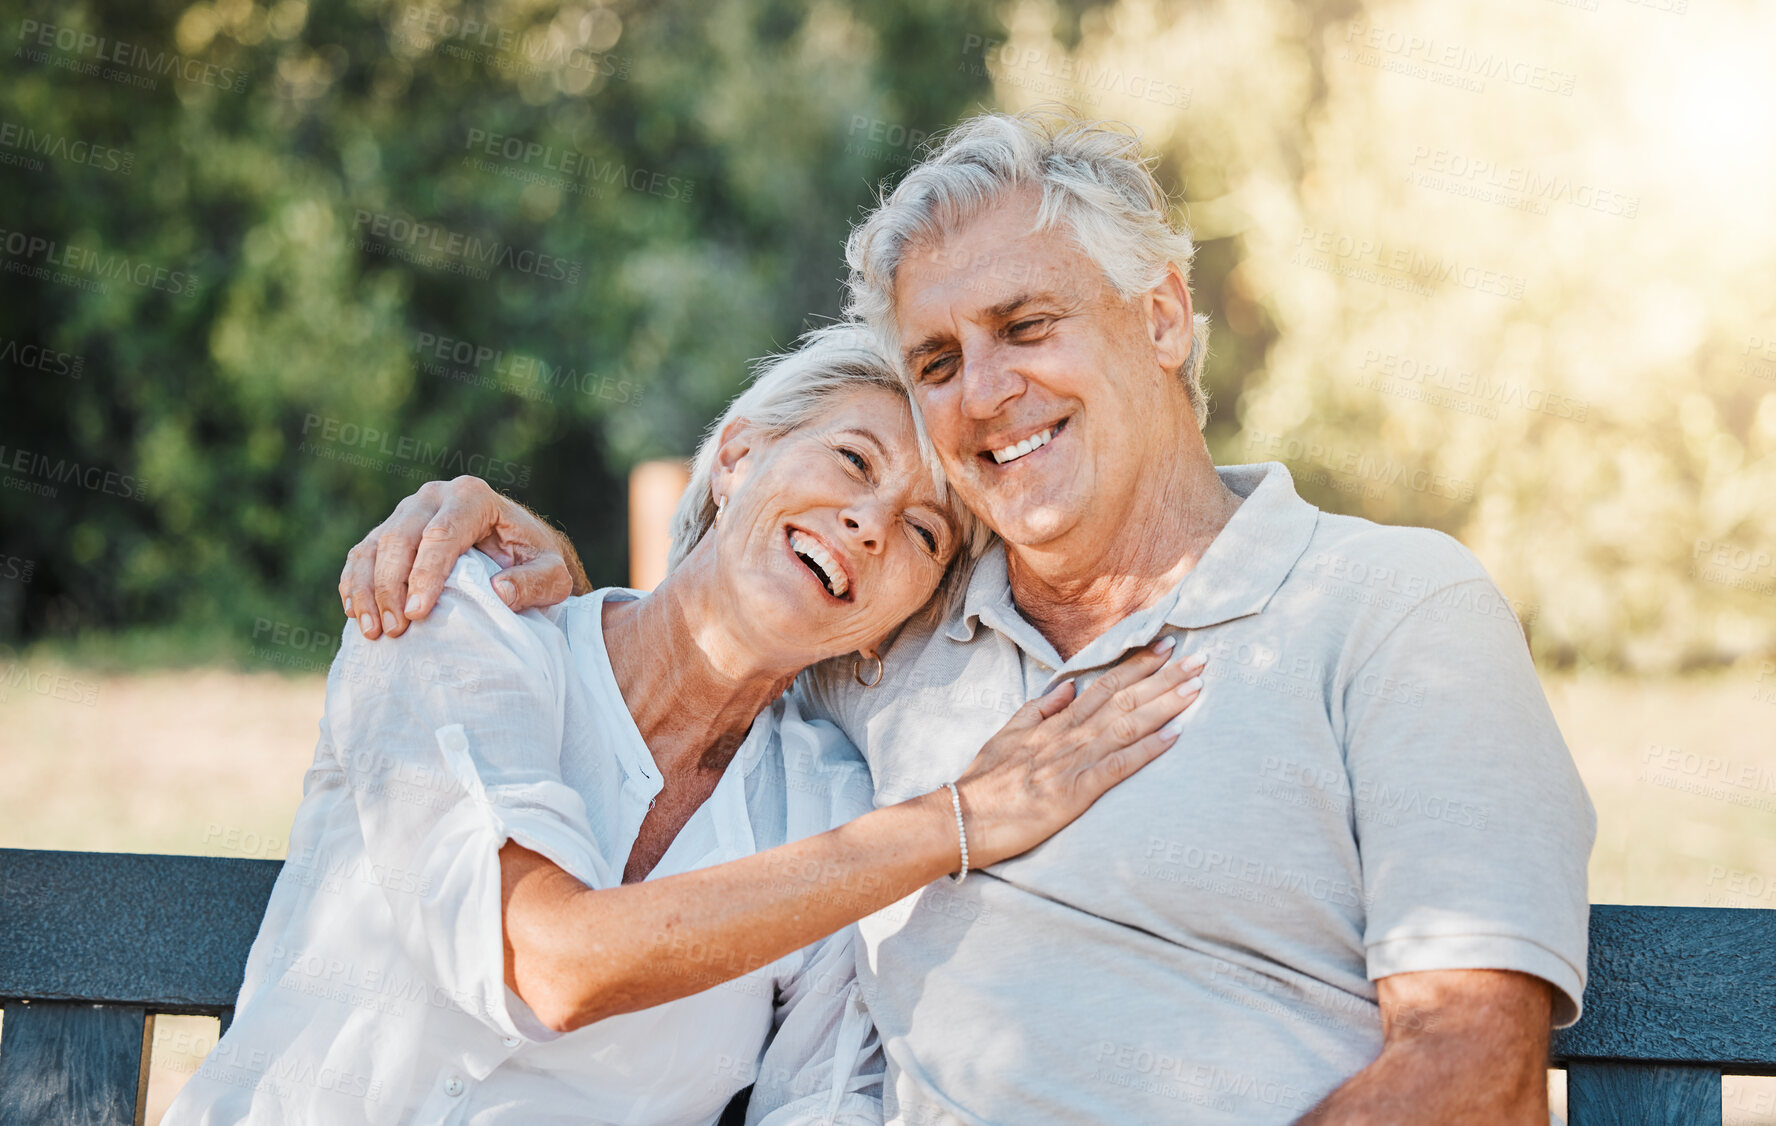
{"x": 1507, "y": 269}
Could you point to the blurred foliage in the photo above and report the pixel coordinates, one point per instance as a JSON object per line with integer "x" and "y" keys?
{"x": 1508, "y": 272}
{"x": 695, "y": 165}
{"x": 1504, "y": 270}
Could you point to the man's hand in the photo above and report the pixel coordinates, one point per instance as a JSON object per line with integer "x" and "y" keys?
{"x": 1460, "y": 1048}
{"x": 396, "y": 573}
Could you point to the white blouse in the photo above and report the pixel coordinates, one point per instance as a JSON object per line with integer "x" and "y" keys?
{"x": 375, "y": 991}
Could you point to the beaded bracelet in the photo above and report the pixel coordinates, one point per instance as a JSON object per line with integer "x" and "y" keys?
{"x": 961, "y": 832}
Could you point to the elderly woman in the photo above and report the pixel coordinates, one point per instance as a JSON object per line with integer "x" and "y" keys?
{"x": 591, "y": 865}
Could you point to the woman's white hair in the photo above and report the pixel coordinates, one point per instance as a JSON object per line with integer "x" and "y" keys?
{"x": 1093, "y": 177}
{"x": 790, "y": 390}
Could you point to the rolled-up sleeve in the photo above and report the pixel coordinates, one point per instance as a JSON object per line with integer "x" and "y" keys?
{"x": 1473, "y": 825}
{"x": 449, "y": 740}
{"x": 823, "y": 1065}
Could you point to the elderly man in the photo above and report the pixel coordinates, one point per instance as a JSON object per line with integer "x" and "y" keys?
{"x": 1354, "y": 893}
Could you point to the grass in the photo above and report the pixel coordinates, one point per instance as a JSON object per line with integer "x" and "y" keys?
{"x": 210, "y": 762}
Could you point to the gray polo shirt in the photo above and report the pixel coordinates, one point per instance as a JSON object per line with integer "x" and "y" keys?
{"x": 1371, "y": 783}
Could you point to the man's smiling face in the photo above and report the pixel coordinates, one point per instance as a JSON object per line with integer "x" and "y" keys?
{"x": 1045, "y": 392}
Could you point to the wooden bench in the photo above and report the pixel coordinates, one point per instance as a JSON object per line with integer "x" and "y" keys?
{"x": 94, "y": 945}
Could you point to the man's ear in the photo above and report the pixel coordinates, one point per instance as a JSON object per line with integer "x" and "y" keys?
{"x": 1170, "y": 319}
{"x": 738, "y": 440}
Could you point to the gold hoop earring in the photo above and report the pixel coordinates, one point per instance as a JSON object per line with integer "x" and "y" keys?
{"x": 720, "y": 504}
{"x": 857, "y": 671}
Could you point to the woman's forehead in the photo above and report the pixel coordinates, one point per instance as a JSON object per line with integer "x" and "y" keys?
{"x": 878, "y": 414}
{"x": 880, "y": 406}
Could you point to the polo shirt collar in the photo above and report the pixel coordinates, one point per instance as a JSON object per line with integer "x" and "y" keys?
{"x": 989, "y": 585}
{"x": 1248, "y": 561}
{"x": 1237, "y": 575}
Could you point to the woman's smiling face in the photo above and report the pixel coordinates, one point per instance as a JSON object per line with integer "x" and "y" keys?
{"x": 833, "y": 534}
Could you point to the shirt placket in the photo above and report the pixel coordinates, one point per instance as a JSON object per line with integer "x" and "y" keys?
{"x": 639, "y": 791}
{"x": 1040, "y": 664}
{"x": 448, "y": 1100}
{"x": 453, "y": 1088}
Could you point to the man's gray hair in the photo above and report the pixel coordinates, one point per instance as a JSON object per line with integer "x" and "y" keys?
{"x": 790, "y": 390}
{"x": 1093, "y": 177}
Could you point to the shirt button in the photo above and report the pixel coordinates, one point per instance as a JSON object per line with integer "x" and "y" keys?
{"x": 509, "y": 1041}
{"x": 453, "y": 1086}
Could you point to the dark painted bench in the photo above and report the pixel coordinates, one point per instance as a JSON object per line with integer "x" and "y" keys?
{"x": 94, "y": 945}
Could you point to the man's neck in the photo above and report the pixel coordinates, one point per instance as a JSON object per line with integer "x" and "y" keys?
{"x": 1075, "y": 589}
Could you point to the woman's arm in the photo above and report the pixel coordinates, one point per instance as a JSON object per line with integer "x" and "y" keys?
{"x": 578, "y": 955}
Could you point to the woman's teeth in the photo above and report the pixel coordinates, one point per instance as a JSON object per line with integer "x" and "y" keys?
{"x": 830, "y": 572}
{"x": 1033, "y": 442}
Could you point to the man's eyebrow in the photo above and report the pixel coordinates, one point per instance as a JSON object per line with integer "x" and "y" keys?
{"x": 1004, "y": 310}
{"x": 1009, "y": 306}
{"x": 936, "y": 342}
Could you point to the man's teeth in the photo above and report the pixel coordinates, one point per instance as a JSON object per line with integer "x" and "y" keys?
{"x": 809, "y": 548}
{"x": 1033, "y": 442}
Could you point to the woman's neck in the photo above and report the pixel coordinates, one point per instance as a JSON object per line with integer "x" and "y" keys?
{"x": 692, "y": 687}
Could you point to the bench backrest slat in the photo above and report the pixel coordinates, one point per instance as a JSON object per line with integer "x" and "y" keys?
{"x": 169, "y": 932}
{"x": 73, "y": 1064}
{"x": 1618, "y": 1094}
{"x": 1692, "y": 985}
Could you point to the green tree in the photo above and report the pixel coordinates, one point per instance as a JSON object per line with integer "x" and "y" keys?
{"x": 335, "y": 249}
